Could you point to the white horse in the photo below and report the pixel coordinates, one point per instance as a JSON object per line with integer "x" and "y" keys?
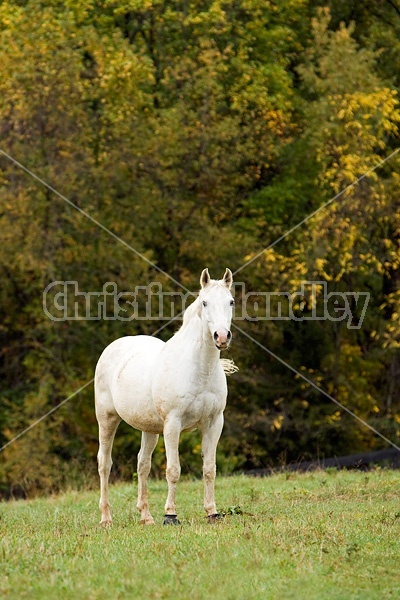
{"x": 168, "y": 388}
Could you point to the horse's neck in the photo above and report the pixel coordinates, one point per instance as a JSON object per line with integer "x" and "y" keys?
{"x": 195, "y": 337}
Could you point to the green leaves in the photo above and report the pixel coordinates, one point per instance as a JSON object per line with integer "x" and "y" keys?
{"x": 199, "y": 133}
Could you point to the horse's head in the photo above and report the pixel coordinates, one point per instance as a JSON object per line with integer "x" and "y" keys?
{"x": 216, "y": 305}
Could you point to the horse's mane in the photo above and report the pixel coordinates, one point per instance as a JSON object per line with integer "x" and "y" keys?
{"x": 190, "y": 312}
{"x": 194, "y": 308}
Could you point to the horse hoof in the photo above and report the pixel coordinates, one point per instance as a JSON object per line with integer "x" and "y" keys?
{"x": 147, "y": 521}
{"x": 171, "y": 520}
{"x": 106, "y": 523}
{"x": 215, "y": 518}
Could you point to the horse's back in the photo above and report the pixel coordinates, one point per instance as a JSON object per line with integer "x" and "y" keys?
{"x": 123, "y": 381}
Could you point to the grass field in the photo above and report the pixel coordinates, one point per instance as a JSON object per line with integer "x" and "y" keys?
{"x": 319, "y": 535}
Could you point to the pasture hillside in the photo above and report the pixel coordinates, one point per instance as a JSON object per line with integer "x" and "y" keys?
{"x": 325, "y": 535}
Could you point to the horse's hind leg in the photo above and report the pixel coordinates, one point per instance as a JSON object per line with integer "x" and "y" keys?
{"x": 108, "y": 423}
{"x": 149, "y": 442}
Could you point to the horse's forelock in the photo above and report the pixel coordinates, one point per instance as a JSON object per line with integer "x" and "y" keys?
{"x": 213, "y": 284}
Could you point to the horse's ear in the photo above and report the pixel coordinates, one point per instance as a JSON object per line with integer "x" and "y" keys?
{"x": 228, "y": 278}
{"x": 205, "y": 278}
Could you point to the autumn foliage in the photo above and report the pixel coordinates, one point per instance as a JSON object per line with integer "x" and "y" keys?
{"x": 199, "y": 132}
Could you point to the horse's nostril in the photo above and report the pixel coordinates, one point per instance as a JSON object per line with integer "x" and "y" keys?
{"x": 215, "y": 335}
{"x": 229, "y": 335}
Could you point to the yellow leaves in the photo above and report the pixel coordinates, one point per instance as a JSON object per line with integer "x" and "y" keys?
{"x": 335, "y": 417}
{"x": 393, "y": 305}
{"x": 277, "y": 423}
{"x": 370, "y": 116}
{"x": 354, "y": 125}
{"x": 322, "y": 267}
{"x": 269, "y": 256}
{"x": 214, "y": 21}
{"x": 320, "y": 263}
{"x": 355, "y": 114}
{"x": 368, "y": 112}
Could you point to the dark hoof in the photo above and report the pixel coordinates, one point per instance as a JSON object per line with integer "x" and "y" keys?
{"x": 171, "y": 520}
{"x": 215, "y": 518}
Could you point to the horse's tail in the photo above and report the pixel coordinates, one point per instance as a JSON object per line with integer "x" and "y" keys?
{"x": 228, "y": 366}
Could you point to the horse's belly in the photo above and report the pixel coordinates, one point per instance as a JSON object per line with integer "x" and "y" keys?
{"x": 134, "y": 404}
{"x": 143, "y": 420}
{"x": 191, "y": 410}
{"x": 136, "y": 408}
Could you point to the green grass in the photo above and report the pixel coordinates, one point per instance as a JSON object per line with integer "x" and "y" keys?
{"x": 322, "y": 535}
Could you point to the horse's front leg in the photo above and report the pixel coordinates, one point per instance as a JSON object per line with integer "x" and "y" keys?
{"x": 210, "y": 440}
{"x": 172, "y": 431}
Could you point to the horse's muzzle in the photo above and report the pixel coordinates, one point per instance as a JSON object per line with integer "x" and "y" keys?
{"x": 222, "y": 339}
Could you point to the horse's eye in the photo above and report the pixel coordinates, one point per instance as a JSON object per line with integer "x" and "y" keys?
{"x": 232, "y": 302}
{"x": 204, "y": 303}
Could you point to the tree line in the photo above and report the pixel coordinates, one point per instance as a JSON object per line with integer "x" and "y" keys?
{"x": 199, "y": 133}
